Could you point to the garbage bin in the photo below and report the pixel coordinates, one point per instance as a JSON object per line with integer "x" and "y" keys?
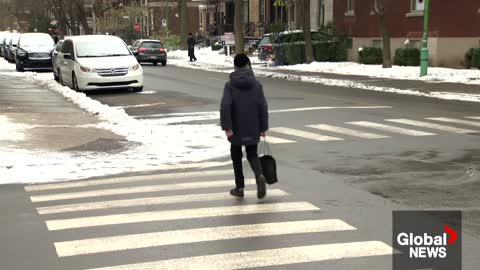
{"x": 279, "y": 55}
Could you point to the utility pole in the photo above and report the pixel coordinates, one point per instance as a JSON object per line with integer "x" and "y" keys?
{"x": 166, "y": 26}
{"x": 424, "y": 51}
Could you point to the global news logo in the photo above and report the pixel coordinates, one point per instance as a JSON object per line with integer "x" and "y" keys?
{"x": 428, "y": 246}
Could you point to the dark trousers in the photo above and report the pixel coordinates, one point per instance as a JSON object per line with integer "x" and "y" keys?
{"x": 252, "y": 157}
{"x": 191, "y": 54}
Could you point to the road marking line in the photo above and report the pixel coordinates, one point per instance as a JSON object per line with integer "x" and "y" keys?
{"x": 132, "y": 190}
{"x": 276, "y": 140}
{"x": 404, "y": 131}
{"x": 304, "y": 134}
{"x": 140, "y": 105}
{"x": 473, "y": 117}
{"x": 266, "y": 258}
{"x": 347, "y": 131}
{"x": 456, "y": 121}
{"x": 93, "y": 221}
{"x": 147, "y": 201}
{"x": 157, "y": 239}
{"x": 128, "y": 179}
{"x": 216, "y": 113}
{"x": 431, "y": 125}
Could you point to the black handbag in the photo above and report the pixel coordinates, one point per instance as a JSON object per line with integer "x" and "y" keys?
{"x": 269, "y": 165}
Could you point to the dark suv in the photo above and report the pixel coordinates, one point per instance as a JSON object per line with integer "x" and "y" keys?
{"x": 34, "y": 52}
{"x": 150, "y": 51}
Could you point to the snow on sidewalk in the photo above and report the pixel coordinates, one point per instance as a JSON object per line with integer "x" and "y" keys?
{"x": 152, "y": 144}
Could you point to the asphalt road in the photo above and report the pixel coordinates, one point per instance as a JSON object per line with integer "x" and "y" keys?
{"x": 354, "y": 169}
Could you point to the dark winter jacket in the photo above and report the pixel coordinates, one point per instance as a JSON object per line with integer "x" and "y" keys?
{"x": 191, "y": 43}
{"x": 244, "y": 109}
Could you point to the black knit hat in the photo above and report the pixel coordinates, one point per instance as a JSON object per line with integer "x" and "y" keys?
{"x": 241, "y": 60}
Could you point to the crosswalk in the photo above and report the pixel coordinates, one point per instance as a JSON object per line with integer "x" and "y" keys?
{"x": 113, "y": 211}
{"x": 387, "y": 128}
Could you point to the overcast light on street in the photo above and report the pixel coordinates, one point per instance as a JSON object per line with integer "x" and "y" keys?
{"x": 239, "y": 134}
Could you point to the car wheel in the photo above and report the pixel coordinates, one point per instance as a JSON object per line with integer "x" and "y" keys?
{"x": 164, "y": 63}
{"x": 75, "y": 83}
{"x": 155, "y": 63}
{"x": 19, "y": 67}
{"x": 60, "y": 79}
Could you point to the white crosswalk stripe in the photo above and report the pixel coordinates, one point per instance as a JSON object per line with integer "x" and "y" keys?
{"x": 93, "y": 221}
{"x": 304, "y": 134}
{"x": 392, "y": 129}
{"x": 147, "y": 201}
{"x": 128, "y": 179}
{"x": 135, "y": 241}
{"x": 347, "y": 131}
{"x": 132, "y": 190}
{"x": 456, "y": 121}
{"x": 94, "y": 195}
{"x": 276, "y": 140}
{"x": 264, "y": 258}
{"x": 432, "y": 126}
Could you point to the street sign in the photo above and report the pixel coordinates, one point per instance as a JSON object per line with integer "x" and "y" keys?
{"x": 229, "y": 39}
{"x": 137, "y": 26}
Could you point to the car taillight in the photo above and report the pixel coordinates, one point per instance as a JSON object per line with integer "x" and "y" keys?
{"x": 142, "y": 50}
{"x": 268, "y": 48}
{"x": 163, "y": 50}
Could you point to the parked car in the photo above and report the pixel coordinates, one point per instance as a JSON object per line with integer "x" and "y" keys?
{"x": 268, "y": 42}
{"x": 34, "y": 52}
{"x": 12, "y": 47}
{"x": 151, "y": 51}
{"x": 55, "y": 58}
{"x": 3, "y": 35}
{"x": 98, "y": 62}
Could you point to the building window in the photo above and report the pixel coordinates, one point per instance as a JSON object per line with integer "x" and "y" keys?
{"x": 377, "y": 43}
{"x": 321, "y": 13}
{"x": 350, "y": 7}
{"x": 417, "y": 6}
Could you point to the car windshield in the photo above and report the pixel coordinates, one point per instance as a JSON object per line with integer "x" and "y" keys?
{"x": 152, "y": 45}
{"x": 265, "y": 40}
{"x": 15, "y": 40}
{"x": 106, "y": 48}
{"x": 36, "y": 40}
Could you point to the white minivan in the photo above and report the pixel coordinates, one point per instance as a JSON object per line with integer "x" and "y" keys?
{"x": 97, "y": 62}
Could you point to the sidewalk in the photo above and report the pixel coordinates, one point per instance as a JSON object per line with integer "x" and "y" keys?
{"x": 38, "y": 120}
{"x": 416, "y": 85}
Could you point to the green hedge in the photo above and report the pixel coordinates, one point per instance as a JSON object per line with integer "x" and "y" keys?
{"x": 294, "y": 53}
{"x": 407, "y": 57}
{"x": 371, "y": 56}
{"x": 472, "y": 58}
{"x": 217, "y": 47}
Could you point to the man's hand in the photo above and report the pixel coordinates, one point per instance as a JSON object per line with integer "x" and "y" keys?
{"x": 229, "y": 133}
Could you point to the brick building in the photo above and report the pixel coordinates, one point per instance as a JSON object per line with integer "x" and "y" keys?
{"x": 453, "y": 26}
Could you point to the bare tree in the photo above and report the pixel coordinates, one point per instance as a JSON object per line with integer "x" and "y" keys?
{"x": 379, "y": 8}
{"x": 305, "y": 6}
{"x": 238, "y": 27}
{"x": 183, "y": 9}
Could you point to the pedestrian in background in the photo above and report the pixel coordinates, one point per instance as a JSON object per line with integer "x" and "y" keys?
{"x": 191, "y": 47}
{"x": 244, "y": 118}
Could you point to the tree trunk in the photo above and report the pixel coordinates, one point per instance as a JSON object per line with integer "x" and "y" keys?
{"x": 307, "y": 31}
{"x": 387, "y": 55}
{"x": 183, "y": 9}
{"x": 238, "y": 27}
{"x": 82, "y": 16}
{"x": 298, "y": 14}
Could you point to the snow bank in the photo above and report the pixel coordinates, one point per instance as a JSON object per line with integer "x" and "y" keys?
{"x": 396, "y": 72}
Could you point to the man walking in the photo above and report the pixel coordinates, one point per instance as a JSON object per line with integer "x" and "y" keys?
{"x": 191, "y": 47}
{"x": 244, "y": 118}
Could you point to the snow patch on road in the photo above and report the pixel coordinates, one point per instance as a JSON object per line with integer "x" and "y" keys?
{"x": 11, "y": 131}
